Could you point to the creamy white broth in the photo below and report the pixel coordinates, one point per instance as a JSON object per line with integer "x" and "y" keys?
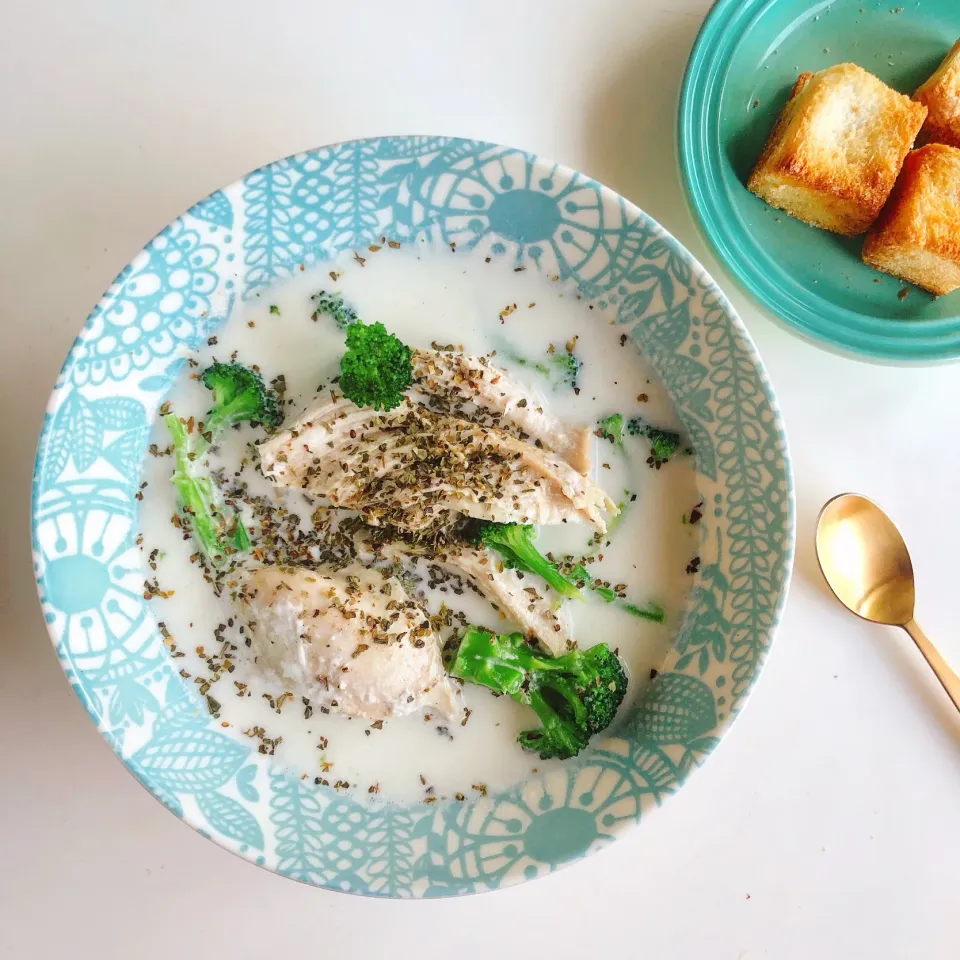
{"x": 427, "y": 295}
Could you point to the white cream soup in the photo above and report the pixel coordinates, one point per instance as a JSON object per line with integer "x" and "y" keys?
{"x": 427, "y": 295}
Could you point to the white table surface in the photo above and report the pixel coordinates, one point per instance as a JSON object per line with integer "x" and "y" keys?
{"x": 826, "y": 824}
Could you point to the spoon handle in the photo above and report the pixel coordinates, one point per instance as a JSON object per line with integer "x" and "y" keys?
{"x": 945, "y": 674}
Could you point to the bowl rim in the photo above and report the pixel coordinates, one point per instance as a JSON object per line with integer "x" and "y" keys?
{"x": 782, "y": 554}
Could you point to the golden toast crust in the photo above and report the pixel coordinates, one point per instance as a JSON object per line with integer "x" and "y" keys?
{"x": 836, "y": 149}
{"x": 917, "y": 236}
{"x": 940, "y": 94}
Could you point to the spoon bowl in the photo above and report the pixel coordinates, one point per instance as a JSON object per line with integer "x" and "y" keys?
{"x": 865, "y": 561}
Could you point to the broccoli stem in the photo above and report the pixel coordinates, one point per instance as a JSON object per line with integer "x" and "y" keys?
{"x": 558, "y": 737}
{"x": 239, "y": 396}
{"x": 483, "y": 659}
{"x": 217, "y": 529}
{"x": 218, "y": 418}
{"x": 502, "y": 662}
{"x": 618, "y": 517}
{"x": 653, "y": 611}
{"x": 514, "y": 542}
{"x": 559, "y": 368}
{"x": 526, "y": 556}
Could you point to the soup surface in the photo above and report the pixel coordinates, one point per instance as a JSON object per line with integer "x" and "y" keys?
{"x": 428, "y": 296}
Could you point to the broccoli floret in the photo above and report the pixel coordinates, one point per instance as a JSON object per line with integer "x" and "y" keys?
{"x": 663, "y": 443}
{"x": 567, "y": 367}
{"x": 514, "y": 542}
{"x": 377, "y": 368}
{"x": 239, "y": 396}
{"x": 333, "y": 304}
{"x": 603, "y": 683}
{"x": 611, "y": 428}
{"x": 575, "y": 695}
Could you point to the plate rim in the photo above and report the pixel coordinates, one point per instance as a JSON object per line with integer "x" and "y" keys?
{"x": 784, "y": 554}
{"x": 884, "y": 339}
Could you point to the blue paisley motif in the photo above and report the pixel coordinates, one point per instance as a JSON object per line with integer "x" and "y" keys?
{"x": 289, "y": 210}
{"x": 230, "y": 818}
{"x": 356, "y": 195}
{"x": 404, "y": 148}
{"x": 296, "y": 813}
{"x": 91, "y": 590}
{"x": 78, "y": 435}
{"x": 160, "y": 302}
{"x": 536, "y": 826}
{"x": 215, "y": 209}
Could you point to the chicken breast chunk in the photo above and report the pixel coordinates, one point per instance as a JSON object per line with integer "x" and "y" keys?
{"x": 353, "y": 641}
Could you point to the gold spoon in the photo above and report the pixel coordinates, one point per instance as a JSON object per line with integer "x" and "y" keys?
{"x": 866, "y": 563}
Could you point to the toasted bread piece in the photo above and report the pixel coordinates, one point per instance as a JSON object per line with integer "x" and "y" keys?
{"x": 941, "y": 96}
{"x": 917, "y": 237}
{"x": 837, "y": 148}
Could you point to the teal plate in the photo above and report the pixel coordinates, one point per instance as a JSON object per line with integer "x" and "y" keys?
{"x": 745, "y": 60}
{"x": 494, "y": 204}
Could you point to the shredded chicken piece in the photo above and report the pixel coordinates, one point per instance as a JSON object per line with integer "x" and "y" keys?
{"x": 411, "y": 467}
{"x": 474, "y": 380}
{"x": 524, "y": 599}
{"x": 353, "y": 641}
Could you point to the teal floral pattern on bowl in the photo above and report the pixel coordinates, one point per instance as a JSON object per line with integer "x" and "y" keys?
{"x": 495, "y": 202}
